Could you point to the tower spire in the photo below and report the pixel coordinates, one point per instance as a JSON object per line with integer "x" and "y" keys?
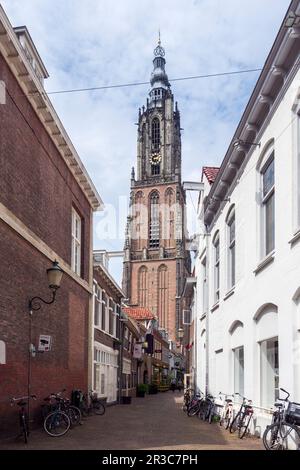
{"x": 159, "y": 79}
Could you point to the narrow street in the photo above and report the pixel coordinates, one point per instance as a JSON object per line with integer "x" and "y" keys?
{"x": 155, "y": 422}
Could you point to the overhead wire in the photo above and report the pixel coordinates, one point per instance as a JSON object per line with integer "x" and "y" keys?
{"x": 124, "y": 85}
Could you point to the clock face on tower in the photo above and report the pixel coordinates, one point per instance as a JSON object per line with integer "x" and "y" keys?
{"x": 155, "y": 159}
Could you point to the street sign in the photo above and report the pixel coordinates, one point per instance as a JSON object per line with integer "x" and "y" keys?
{"x": 45, "y": 343}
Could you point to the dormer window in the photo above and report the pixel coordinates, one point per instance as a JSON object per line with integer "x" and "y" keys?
{"x": 31, "y": 53}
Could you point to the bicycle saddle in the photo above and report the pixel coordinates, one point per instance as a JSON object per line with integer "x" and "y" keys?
{"x": 278, "y": 405}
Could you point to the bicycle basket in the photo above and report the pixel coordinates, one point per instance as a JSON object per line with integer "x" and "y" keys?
{"x": 293, "y": 413}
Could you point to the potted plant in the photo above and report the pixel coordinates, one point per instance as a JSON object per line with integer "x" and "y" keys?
{"x": 141, "y": 390}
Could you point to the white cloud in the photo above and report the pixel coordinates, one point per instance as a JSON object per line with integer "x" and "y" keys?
{"x": 102, "y": 42}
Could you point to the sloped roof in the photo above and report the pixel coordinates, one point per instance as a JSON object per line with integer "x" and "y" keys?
{"x": 139, "y": 313}
{"x": 211, "y": 173}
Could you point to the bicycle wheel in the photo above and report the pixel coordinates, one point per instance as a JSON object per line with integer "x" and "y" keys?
{"x": 193, "y": 410}
{"x": 234, "y": 423}
{"x": 203, "y": 412}
{"x": 244, "y": 425}
{"x": 98, "y": 408}
{"x": 227, "y": 419}
{"x": 74, "y": 414}
{"x": 210, "y": 414}
{"x": 282, "y": 436}
{"x": 24, "y": 428}
{"x": 57, "y": 424}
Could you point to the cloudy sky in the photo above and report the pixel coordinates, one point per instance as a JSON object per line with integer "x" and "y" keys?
{"x": 101, "y": 42}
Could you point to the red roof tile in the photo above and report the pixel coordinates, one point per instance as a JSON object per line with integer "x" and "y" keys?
{"x": 210, "y": 173}
{"x": 139, "y": 313}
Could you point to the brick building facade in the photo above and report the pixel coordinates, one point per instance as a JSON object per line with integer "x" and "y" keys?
{"x": 107, "y": 309}
{"x": 46, "y": 207}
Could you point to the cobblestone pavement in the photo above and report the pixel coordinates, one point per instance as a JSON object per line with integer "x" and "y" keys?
{"x": 155, "y": 422}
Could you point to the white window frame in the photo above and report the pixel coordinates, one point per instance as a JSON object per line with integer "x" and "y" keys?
{"x": 104, "y": 293}
{"x": 115, "y": 314}
{"x": 97, "y": 299}
{"x": 187, "y": 317}
{"x": 204, "y": 285}
{"x": 231, "y": 250}
{"x": 76, "y": 242}
{"x": 216, "y": 244}
{"x": 266, "y": 161}
{"x": 111, "y": 315}
{"x": 237, "y": 388}
{"x": 265, "y": 386}
{"x": 105, "y": 359}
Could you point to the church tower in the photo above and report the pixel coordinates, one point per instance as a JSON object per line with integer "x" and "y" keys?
{"x": 156, "y": 261}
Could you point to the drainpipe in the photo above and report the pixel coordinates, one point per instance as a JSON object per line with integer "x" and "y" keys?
{"x": 120, "y": 362}
{"x": 207, "y": 235}
{"x": 90, "y": 378}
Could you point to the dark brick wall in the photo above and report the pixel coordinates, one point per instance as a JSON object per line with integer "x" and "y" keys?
{"x": 35, "y": 183}
{"x": 38, "y": 188}
{"x": 65, "y": 366}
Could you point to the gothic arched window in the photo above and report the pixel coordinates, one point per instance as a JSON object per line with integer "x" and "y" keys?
{"x": 163, "y": 284}
{"x": 144, "y": 138}
{"x": 142, "y": 286}
{"x": 154, "y": 220}
{"x": 138, "y": 218}
{"x": 155, "y": 135}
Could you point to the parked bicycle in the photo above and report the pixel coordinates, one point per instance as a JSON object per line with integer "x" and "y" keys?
{"x": 187, "y": 398}
{"x": 22, "y": 402}
{"x": 210, "y": 409}
{"x": 284, "y": 432}
{"x": 227, "y": 413}
{"x": 91, "y": 404}
{"x": 242, "y": 419}
{"x": 195, "y": 404}
{"x": 57, "y": 422}
{"x": 57, "y": 401}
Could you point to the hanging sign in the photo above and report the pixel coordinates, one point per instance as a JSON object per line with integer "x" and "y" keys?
{"x": 137, "y": 351}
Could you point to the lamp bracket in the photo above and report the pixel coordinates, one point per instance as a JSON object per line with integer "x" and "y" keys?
{"x": 36, "y": 302}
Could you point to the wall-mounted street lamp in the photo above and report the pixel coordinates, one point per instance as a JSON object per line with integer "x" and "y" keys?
{"x": 180, "y": 334}
{"x": 54, "y": 275}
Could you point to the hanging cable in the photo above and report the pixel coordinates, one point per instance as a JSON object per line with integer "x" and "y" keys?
{"x": 124, "y": 85}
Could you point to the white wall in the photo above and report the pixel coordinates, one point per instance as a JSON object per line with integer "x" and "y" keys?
{"x": 267, "y": 303}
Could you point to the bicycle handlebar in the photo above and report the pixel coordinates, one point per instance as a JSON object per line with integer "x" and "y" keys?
{"x": 287, "y": 397}
{"x": 13, "y": 400}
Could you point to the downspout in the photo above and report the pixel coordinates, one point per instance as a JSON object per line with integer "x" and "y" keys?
{"x": 91, "y": 310}
{"x": 207, "y": 235}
